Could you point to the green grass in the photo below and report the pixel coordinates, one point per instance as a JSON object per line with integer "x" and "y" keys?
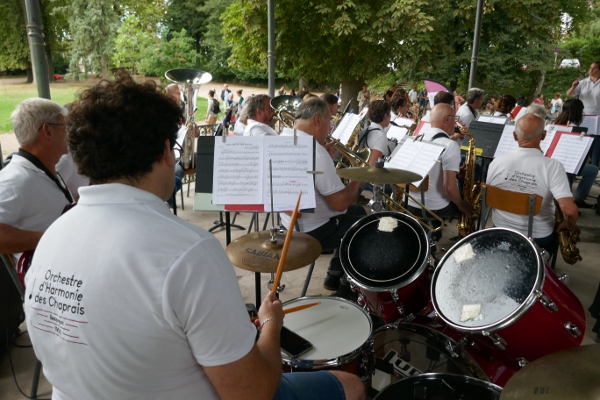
{"x": 62, "y": 93}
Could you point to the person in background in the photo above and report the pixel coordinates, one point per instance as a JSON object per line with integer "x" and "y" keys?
{"x": 457, "y": 100}
{"x": 556, "y": 105}
{"x": 588, "y": 90}
{"x": 413, "y": 95}
{"x": 539, "y": 99}
{"x": 211, "y": 115}
{"x": 280, "y": 91}
{"x": 364, "y": 97}
{"x": 225, "y": 93}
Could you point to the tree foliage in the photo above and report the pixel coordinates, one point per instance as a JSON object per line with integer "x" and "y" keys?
{"x": 14, "y": 49}
{"x": 93, "y": 25}
{"x": 131, "y": 43}
{"x": 349, "y": 40}
{"x": 166, "y": 54}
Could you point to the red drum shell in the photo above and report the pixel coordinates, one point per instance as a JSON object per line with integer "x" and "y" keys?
{"x": 505, "y": 275}
{"x": 380, "y": 263}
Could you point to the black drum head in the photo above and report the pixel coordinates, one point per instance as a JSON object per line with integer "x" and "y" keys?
{"x": 384, "y": 250}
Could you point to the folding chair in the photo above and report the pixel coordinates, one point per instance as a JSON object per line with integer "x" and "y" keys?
{"x": 8, "y": 263}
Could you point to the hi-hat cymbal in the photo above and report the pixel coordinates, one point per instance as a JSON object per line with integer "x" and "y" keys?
{"x": 255, "y": 252}
{"x": 572, "y": 374}
{"x": 379, "y": 175}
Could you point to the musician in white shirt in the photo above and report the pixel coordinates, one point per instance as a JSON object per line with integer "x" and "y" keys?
{"x": 468, "y": 112}
{"x": 260, "y": 116}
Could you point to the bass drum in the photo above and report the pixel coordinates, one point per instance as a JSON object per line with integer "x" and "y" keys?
{"x": 386, "y": 255}
{"x": 440, "y": 387}
{"x": 494, "y": 286}
{"x": 407, "y": 349}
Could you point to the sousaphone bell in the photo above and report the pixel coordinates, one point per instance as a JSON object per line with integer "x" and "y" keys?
{"x": 189, "y": 81}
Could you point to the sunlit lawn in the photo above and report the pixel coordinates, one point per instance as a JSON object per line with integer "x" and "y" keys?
{"x": 61, "y": 92}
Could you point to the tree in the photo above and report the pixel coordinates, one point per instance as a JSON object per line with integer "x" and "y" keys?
{"x": 167, "y": 54}
{"x": 351, "y": 40}
{"x": 131, "y": 43}
{"x": 93, "y": 25}
{"x": 14, "y": 49}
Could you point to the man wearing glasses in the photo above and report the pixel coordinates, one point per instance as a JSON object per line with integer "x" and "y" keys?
{"x": 32, "y": 194}
{"x": 443, "y": 196}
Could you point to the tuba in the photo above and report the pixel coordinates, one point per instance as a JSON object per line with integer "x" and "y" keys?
{"x": 189, "y": 81}
{"x": 471, "y": 192}
{"x": 285, "y": 107}
{"x": 567, "y": 240}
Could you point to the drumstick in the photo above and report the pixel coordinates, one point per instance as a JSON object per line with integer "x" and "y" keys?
{"x": 286, "y": 245}
{"x": 294, "y": 309}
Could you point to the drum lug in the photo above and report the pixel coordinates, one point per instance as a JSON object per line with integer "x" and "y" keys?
{"x": 353, "y": 286}
{"x": 450, "y": 349}
{"x": 572, "y": 329}
{"x": 361, "y": 301}
{"x": 409, "y": 317}
{"x": 548, "y": 304}
{"x": 564, "y": 278}
{"x": 496, "y": 339}
{"x": 522, "y": 362}
{"x": 396, "y": 297}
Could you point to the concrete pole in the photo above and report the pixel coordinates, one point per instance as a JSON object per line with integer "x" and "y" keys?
{"x": 271, "y": 51}
{"x": 476, "y": 35}
{"x": 37, "y": 47}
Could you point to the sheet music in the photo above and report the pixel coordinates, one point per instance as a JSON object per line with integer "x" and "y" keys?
{"x": 345, "y": 128}
{"x": 407, "y": 122}
{"x": 415, "y": 156}
{"x": 241, "y": 171}
{"x": 290, "y": 163}
{"x": 550, "y": 132}
{"x": 396, "y": 132}
{"x": 237, "y": 171}
{"x": 571, "y": 150}
{"x": 590, "y": 122}
{"x": 507, "y": 143}
{"x": 493, "y": 120}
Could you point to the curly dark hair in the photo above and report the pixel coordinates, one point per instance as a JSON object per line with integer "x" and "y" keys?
{"x": 118, "y": 129}
{"x": 378, "y": 109}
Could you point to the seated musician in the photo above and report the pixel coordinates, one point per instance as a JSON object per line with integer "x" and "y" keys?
{"x": 443, "y": 196}
{"x": 469, "y": 111}
{"x": 335, "y": 212}
{"x": 332, "y": 102}
{"x": 143, "y": 304}
{"x": 32, "y": 194}
{"x": 505, "y": 105}
{"x": 260, "y": 116}
{"x": 375, "y": 137}
{"x": 527, "y": 170}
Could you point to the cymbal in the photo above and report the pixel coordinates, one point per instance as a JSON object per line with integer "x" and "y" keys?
{"x": 378, "y": 175}
{"x": 255, "y": 252}
{"x": 568, "y": 374}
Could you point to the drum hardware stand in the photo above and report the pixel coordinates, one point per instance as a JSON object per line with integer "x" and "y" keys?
{"x": 220, "y": 223}
{"x": 572, "y": 329}
{"x": 548, "y": 304}
{"x": 460, "y": 344}
{"x": 496, "y": 339}
{"x": 376, "y": 203}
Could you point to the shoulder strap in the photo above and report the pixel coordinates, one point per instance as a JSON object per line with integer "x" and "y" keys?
{"x": 440, "y": 135}
{"x": 56, "y": 179}
{"x": 362, "y": 137}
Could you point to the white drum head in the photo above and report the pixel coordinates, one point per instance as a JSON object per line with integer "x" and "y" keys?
{"x": 487, "y": 280}
{"x": 335, "y": 327}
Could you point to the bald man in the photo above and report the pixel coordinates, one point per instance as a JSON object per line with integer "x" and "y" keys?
{"x": 443, "y": 196}
{"x": 527, "y": 170}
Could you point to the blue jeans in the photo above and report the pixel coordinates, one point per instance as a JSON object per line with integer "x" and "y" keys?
{"x": 318, "y": 385}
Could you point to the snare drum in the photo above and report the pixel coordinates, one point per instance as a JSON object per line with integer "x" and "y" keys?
{"x": 340, "y": 331}
{"x": 385, "y": 255}
{"x": 494, "y": 285}
{"x": 407, "y": 349}
{"x": 440, "y": 387}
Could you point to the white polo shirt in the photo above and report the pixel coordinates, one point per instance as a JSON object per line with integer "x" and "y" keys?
{"x": 589, "y": 94}
{"x": 255, "y": 128}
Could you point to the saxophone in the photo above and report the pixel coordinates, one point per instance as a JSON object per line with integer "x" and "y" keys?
{"x": 567, "y": 240}
{"x": 471, "y": 192}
